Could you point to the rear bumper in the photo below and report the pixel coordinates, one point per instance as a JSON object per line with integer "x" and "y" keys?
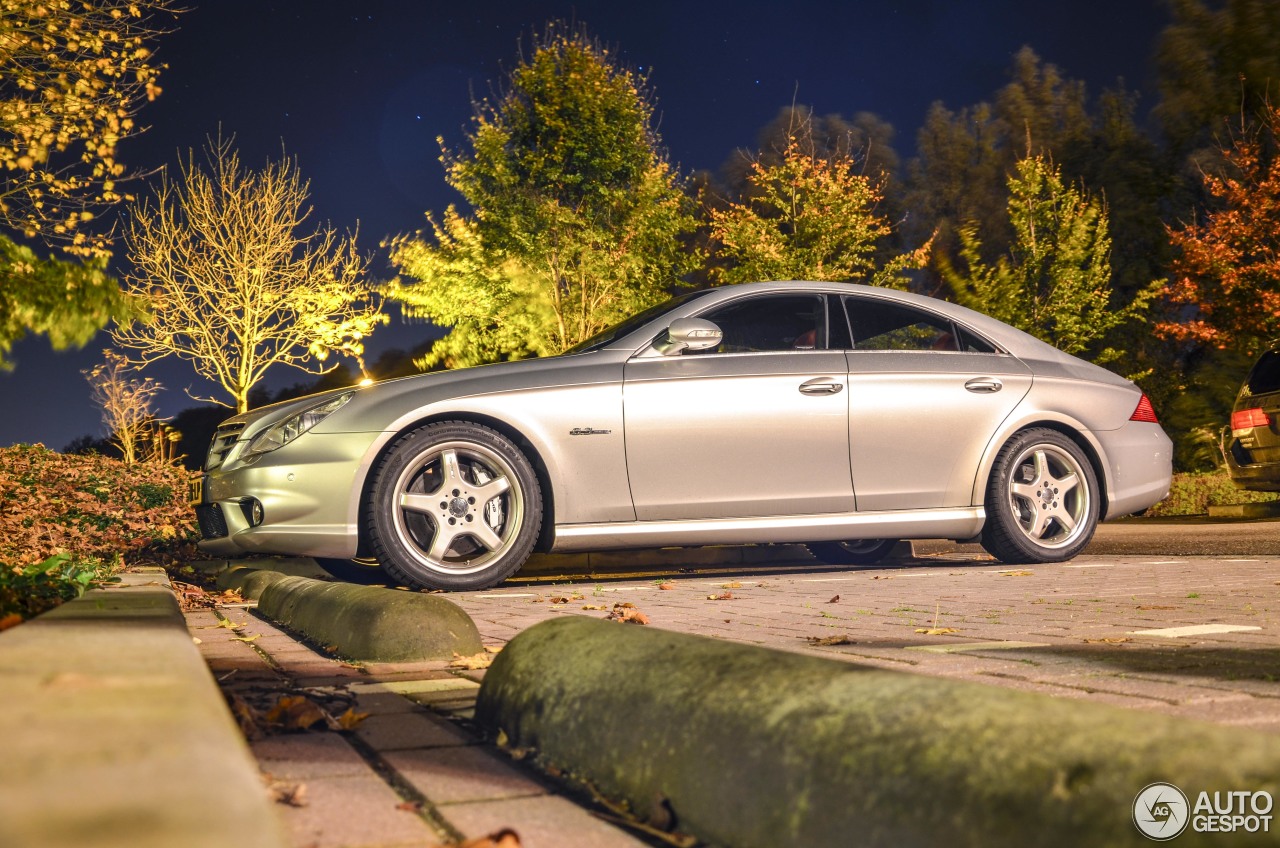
{"x": 1141, "y": 460}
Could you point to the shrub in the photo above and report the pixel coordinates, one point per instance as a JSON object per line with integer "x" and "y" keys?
{"x": 1194, "y": 493}
{"x": 68, "y": 521}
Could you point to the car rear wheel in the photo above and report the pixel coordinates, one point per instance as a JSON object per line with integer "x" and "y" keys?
{"x": 858, "y": 552}
{"x": 1042, "y": 499}
{"x": 453, "y": 505}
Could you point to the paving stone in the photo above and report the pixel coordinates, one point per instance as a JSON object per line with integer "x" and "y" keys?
{"x": 398, "y": 731}
{"x": 354, "y": 812}
{"x": 305, "y": 756}
{"x": 542, "y": 822}
{"x": 450, "y": 775}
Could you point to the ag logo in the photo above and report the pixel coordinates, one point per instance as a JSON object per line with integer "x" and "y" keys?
{"x": 1161, "y": 811}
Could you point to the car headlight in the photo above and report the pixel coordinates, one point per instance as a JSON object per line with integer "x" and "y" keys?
{"x": 294, "y": 426}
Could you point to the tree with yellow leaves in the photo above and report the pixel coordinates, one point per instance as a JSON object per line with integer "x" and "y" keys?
{"x": 807, "y": 217}
{"x": 236, "y": 279}
{"x": 73, "y": 76}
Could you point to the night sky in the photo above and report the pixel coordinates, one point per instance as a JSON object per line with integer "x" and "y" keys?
{"x": 358, "y": 91}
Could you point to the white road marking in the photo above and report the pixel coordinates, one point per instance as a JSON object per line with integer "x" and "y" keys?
{"x": 1167, "y": 562}
{"x": 1092, "y": 565}
{"x": 1194, "y": 630}
{"x": 509, "y": 595}
{"x": 976, "y": 646}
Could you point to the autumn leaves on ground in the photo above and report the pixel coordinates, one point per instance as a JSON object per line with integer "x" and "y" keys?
{"x": 69, "y": 522}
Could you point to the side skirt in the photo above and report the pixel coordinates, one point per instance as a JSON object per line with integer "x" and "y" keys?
{"x": 950, "y": 523}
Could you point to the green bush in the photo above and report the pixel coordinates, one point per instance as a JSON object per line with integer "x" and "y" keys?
{"x": 1194, "y": 493}
{"x": 31, "y": 590}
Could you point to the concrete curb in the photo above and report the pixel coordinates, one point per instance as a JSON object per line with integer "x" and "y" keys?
{"x": 113, "y": 733}
{"x": 751, "y": 747}
{"x": 365, "y": 623}
{"x": 1265, "y": 509}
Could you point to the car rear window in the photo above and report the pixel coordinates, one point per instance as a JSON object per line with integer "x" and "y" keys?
{"x": 1265, "y": 376}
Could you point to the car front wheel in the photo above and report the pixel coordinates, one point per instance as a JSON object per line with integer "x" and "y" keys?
{"x": 1042, "y": 499}
{"x": 453, "y": 505}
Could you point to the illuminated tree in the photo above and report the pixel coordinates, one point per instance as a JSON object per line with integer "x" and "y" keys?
{"x": 807, "y": 218}
{"x": 73, "y": 76}
{"x": 126, "y": 404}
{"x": 236, "y": 279}
{"x": 1055, "y": 281}
{"x": 1225, "y": 281}
{"x": 66, "y": 301}
{"x": 72, "y": 79}
{"x": 577, "y": 213}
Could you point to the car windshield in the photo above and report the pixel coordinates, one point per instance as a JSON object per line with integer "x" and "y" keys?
{"x": 625, "y": 326}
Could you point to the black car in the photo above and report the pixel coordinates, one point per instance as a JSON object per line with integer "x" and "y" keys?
{"x": 1252, "y": 443}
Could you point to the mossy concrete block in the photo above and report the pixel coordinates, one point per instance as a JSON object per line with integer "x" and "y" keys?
{"x": 249, "y": 582}
{"x": 113, "y": 733}
{"x": 757, "y": 748}
{"x": 369, "y": 623}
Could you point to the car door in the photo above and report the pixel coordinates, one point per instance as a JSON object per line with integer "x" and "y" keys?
{"x": 926, "y": 396}
{"x": 755, "y": 427}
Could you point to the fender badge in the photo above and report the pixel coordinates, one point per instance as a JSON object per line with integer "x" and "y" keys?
{"x": 588, "y": 431}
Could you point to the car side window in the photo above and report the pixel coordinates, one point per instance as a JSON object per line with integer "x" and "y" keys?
{"x": 773, "y": 322}
{"x": 879, "y": 325}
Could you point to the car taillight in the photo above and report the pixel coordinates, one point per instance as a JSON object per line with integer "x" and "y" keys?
{"x": 1144, "y": 412}
{"x": 1246, "y": 419}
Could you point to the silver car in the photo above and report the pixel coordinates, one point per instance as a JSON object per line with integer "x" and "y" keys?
{"x": 842, "y": 416}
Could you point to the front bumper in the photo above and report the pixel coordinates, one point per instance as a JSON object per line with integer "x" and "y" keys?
{"x": 308, "y": 492}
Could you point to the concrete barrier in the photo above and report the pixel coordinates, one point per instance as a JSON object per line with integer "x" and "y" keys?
{"x": 113, "y": 733}
{"x": 366, "y": 623}
{"x": 756, "y": 748}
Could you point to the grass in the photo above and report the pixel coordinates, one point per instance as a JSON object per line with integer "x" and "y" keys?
{"x": 1194, "y": 493}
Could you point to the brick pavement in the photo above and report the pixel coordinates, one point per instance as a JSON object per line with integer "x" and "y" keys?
{"x": 1076, "y": 630}
{"x": 414, "y": 773}
{"x": 411, "y": 774}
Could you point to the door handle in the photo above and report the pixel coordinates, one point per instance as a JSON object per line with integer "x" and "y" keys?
{"x": 820, "y": 386}
{"x": 984, "y": 385}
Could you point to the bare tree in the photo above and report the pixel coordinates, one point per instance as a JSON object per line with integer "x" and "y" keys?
{"x": 126, "y": 404}
{"x": 237, "y": 279}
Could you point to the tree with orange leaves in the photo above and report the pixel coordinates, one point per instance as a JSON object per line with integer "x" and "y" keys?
{"x": 1225, "y": 282}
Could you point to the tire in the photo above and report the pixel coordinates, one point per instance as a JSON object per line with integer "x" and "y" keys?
{"x": 363, "y": 570}
{"x": 1042, "y": 499}
{"x": 858, "y": 552}
{"x": 453, "y": 505}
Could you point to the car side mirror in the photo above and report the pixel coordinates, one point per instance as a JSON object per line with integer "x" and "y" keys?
{"x": 691, "y": 334}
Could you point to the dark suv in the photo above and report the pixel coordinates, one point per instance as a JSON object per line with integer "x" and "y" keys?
{"x": 1252, "y": 442}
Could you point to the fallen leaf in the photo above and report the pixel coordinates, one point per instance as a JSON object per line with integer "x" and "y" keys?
{"x": 723, "y": 596}
{"x": 878, "y": 577}
{"x": 292, "y": 794}
{"x": 351, "y": 719}
{"x": 821, "y": 641}
{"x": 473, "y": 663}
{"x": 593, "y": 607}
{"x": 294, "y": 712}
{"x": 732, "y": 585}
{"x": 627, "y": 614}
{"x": 666, "y": 587}
{"x": 10, "y": 620}
{"x": 226, "y": 622}
{"x": 410, "y": 806}
{"x": 834, "y": 600}
{"x": 505, "y": 838}
{"x": 1020, "y": 573}
{"x": 559, "y": 599}
{"x": 935, "y": 631}
{"x": 1110, "y": 640}
{"x": 247, "y": 717}
{"x": 252, "y": 638}
{"x": 494, "y": 649}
